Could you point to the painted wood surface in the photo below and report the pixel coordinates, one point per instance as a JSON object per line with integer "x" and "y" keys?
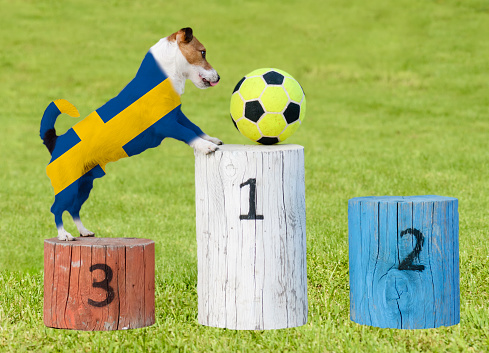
{"x": 251, "y": 237}
{"x": 404, "y": 261}
{"x": 99, "y": 284}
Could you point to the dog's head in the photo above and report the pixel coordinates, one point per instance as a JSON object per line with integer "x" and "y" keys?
{"x": 194, "y": 63}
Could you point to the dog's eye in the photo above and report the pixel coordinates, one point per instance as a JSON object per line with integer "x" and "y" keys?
{"x": 203, "y": 54}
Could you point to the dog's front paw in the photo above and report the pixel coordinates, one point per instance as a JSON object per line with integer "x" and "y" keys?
{"x": 64, "y": 235}
{"x": 214, "y": 140}
{"x": 202, "y": 146}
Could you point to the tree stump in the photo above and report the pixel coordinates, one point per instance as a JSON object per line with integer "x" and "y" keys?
{"x": 99, "y": 284}
{"x": 404, "y": 261}
{"x": 251, "y": 237}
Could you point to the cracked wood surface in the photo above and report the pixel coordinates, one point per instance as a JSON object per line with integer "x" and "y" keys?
{"x": 99, "y": 284}
{"x": 404, "y": 261}
{"x": 251, "y": 237}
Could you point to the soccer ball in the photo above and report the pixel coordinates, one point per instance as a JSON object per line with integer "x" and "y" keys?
{"x": 267, "y": 106}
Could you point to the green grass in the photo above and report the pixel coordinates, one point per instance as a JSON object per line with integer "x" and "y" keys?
{"x": 397, "y": 105}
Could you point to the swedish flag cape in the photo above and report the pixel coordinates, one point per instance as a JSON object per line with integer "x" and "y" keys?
{"x": 124, "y": 126}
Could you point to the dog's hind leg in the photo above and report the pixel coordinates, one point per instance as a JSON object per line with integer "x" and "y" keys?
{"x": 84, "y": 232}
{"x": 71, "y": 199}
{"x": 85, "y": 185}
{"x": 57, "y": 209}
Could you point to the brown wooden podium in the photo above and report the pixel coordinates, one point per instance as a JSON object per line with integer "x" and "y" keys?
{"x": 99, "y": 284}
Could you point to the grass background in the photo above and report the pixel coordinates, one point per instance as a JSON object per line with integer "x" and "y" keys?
{"x": 398, "y": 104}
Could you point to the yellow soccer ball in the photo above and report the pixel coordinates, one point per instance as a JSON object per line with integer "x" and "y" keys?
{"x": 268, "y": 105}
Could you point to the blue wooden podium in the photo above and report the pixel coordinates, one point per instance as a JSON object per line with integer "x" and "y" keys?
{"x": 404, "y": 261}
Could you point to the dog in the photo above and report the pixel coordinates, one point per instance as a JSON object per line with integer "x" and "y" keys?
{"x": 145, "y": 112}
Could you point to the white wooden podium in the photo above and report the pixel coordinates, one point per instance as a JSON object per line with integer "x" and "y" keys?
{"x": 251, "y": 237}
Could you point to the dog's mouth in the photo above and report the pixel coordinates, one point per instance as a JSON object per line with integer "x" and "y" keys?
{"x": 209, "y": 83}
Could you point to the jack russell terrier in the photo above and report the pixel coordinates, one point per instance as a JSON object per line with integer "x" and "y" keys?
{"x": 146, "y": 111}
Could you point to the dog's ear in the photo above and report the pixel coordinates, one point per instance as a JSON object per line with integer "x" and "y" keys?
{"x": 185, "y": 35}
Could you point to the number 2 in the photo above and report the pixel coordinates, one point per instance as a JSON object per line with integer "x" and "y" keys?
{"x": 407, "y": 263}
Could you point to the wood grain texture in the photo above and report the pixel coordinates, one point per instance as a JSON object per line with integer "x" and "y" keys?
{"x": 251, "y": 264}
{"x": 99, "y": 284}
{"x": 404, "y": 261}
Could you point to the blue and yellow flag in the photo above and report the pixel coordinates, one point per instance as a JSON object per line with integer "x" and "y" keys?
{"x": 124, "y": 126}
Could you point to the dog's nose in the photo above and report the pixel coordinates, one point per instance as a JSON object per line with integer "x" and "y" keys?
{"x": 215, "y": 82}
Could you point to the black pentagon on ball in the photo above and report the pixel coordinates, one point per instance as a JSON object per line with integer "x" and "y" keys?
{"x": 268, "y": 140}
{"x": 253, "y": 110}
{"x": 239, "y": 84}
{"x": 292, "y": 112}
{"x": 273, "y": 78}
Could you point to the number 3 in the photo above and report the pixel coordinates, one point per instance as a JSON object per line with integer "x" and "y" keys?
{"x": 104, "y": 284}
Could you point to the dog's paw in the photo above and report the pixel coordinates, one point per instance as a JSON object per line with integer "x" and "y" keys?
{"x": 64, "y": 235}
{"x": 86, "y": 233}
{"x": 206, "y": 147}
{"x": 202, "y": 146}
{"x": 214, "y": 140}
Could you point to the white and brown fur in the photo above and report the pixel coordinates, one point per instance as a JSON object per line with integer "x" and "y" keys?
{"x": 183, "y": 57}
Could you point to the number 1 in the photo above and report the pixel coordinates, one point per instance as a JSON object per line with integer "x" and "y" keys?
{"x": 252, "y": 210}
